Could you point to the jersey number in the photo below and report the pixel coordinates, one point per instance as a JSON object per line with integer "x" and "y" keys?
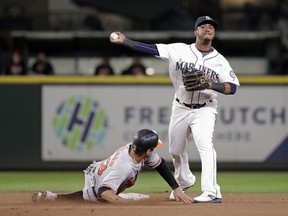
{"x": 103, "y": 166}
{"x": 107, "y": 163}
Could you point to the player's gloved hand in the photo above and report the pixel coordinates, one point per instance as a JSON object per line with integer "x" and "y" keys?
{"x": 195, "y": 80}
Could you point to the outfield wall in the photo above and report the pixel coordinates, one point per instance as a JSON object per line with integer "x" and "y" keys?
{"x": 66, "y": 122}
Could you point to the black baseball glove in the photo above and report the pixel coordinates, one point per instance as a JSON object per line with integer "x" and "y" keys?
{"x": 194, "y": 79}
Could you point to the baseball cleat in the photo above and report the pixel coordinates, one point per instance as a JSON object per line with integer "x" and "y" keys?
{"x": 171, "y": 196}
{"x": 40, "y": 196}
{"x": 207, "y": 198}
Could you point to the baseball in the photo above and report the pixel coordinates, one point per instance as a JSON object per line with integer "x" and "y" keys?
{"x": 114, "y": 36}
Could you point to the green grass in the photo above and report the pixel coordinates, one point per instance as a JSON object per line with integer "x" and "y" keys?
{"x": 230, "y": 182}
{"x": 253, "y": 182}
{"x": 34, "y": 181}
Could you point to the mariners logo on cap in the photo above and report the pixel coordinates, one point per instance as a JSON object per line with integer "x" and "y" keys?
{"x": 205, "y": 19}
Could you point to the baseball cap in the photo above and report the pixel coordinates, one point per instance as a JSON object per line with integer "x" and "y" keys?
{"x": 205, "y": 19}
{"x": 146, "y": 139}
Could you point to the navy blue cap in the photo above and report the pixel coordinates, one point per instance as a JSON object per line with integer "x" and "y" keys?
{"x": 205, "y": 19}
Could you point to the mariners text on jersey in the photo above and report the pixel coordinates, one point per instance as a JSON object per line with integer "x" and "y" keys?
{"x": 209, "y": 72}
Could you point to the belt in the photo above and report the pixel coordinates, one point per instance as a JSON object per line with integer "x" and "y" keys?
{"x": 193, "y": 106}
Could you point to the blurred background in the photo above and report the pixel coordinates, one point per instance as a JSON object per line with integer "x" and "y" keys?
{"x": 52, "y": 51}
{"x": 73, "y": 34}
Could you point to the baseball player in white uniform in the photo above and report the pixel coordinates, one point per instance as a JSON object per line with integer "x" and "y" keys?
{"x": 107, "y": 179}
{"x": 193, "y": 112}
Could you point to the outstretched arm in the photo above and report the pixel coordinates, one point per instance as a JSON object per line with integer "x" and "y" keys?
{"x": 169, "y": 178}
{"x": 150, "y": 49}
{"x": 109, "y": 195}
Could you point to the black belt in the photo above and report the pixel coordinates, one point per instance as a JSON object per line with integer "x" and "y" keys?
{"x": 192, "y": 106}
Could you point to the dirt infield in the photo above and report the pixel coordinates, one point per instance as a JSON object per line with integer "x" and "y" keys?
{"x": 158, "y": 205}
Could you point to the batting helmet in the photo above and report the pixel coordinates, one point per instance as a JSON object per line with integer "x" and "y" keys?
{"x": 146, "y": 139}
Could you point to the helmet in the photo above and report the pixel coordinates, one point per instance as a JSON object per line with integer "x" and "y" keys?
{"x": 146, "y": 139}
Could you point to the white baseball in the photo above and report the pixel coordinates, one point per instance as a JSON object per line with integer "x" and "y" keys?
{"x": 114, "y": 36}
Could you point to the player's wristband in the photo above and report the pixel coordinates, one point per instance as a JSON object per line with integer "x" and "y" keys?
{"x": 225, "y": 88}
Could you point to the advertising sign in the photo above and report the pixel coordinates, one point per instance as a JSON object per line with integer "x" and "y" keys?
{"x": 89, "y": 122}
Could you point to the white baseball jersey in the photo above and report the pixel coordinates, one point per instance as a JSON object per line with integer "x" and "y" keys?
{"x": 198, "y": 122}
{"x": 118, "y": 172}
{"x": 214, "y": 65}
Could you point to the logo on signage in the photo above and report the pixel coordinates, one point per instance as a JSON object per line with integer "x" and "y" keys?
{"x": 80, "y": 123}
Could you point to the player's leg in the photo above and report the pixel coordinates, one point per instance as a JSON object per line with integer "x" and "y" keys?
{"x": 178, "y": 133}
{"x": 89, "y": 193}
{"x": 48, "y": 195}
{"x": 202, "y": 128}
{"x": 43, "y": 196}
{"x": 76, "y": 196}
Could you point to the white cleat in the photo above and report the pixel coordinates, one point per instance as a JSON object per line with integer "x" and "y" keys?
{"x": 40, "y": 196}
{"x": 171, "y": 196}
{"x": 207, "y": 198}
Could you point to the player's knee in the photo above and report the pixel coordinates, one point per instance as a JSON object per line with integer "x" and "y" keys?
{"x": 175, "y": 156}
{"x": 173, "y": 151}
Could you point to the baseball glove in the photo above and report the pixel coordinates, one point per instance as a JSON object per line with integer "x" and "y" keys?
{"x": 194, "y": 79}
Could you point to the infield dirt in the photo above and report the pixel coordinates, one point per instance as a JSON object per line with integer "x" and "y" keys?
{"x": 18, "y": 204}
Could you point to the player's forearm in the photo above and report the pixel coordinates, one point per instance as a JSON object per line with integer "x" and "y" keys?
{"x": 111, "y": 197}
{"x": 150, "y": 49}
{"x": 166, "y": 174}
{"x": 224, "y": 88}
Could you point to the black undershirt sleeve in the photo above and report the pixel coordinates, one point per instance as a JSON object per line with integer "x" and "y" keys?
{"x": 150, "y": 49}
{"x": 166, "y": 174}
